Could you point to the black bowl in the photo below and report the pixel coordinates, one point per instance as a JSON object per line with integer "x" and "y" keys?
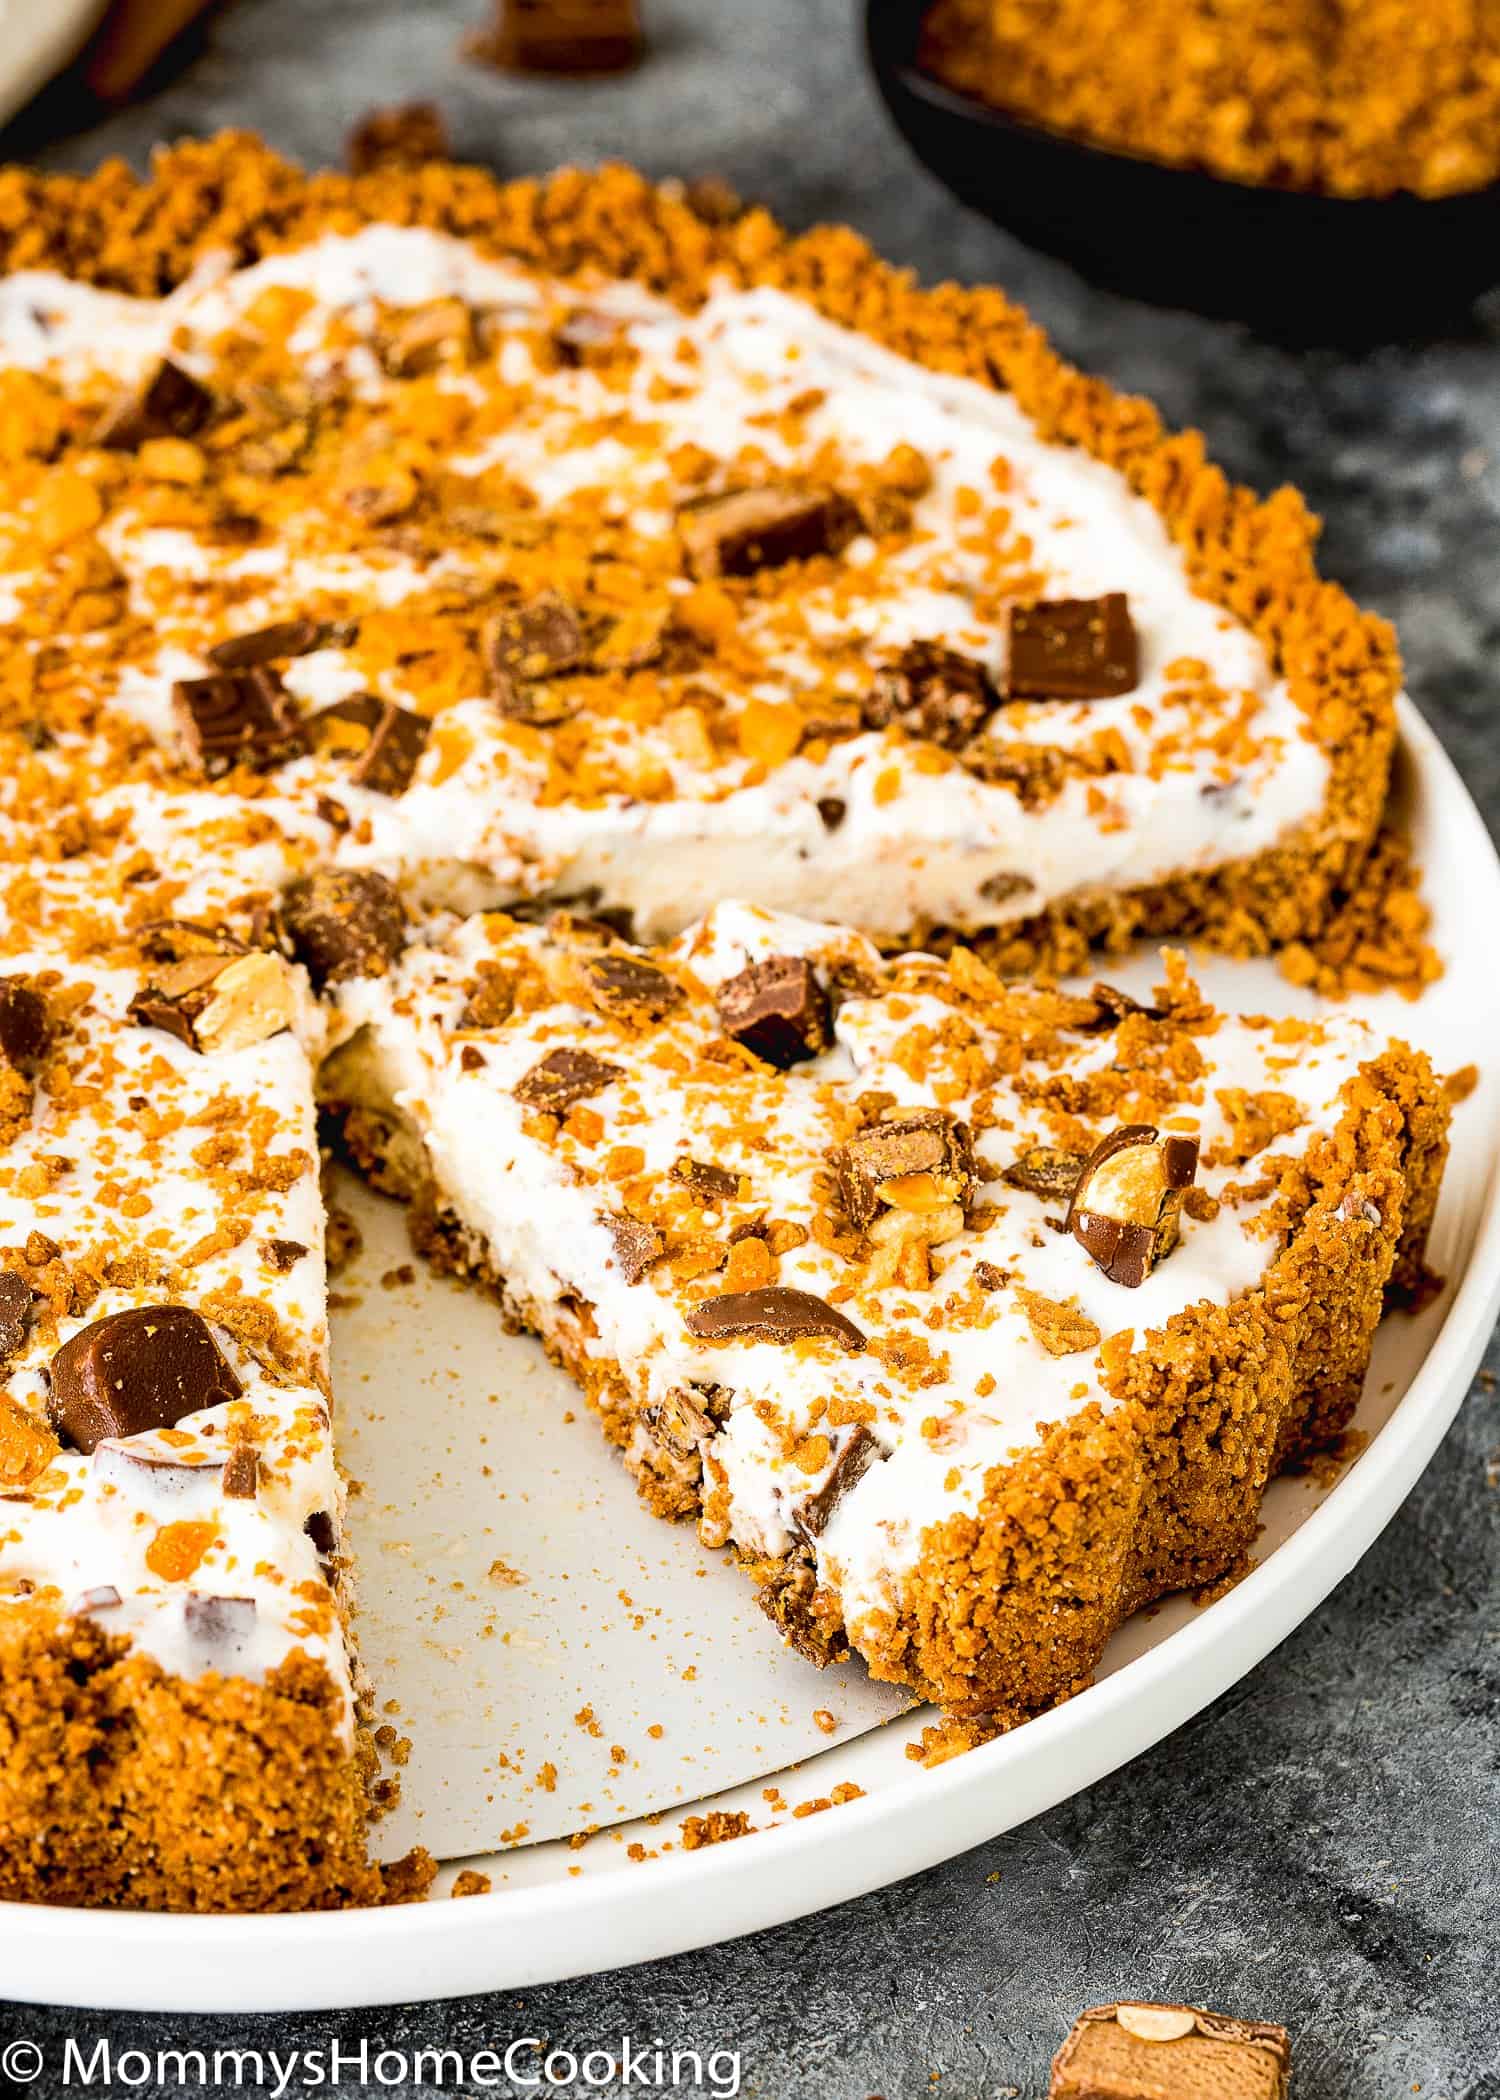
{"x": 1292, "y": 261}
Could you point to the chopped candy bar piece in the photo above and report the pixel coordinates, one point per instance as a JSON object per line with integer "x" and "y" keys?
{"x": 136, "y": 1370}
{"x": 1072, "y": 649}
{"x": 1044, "y": 1171}
{"x": 913, "y": 1162}
{"x": 774, "y": 1314}
{"x": 492, "y": 1000}
{"x": 267, "y": 645}
{"x": 1170, "y": 2052}
{"x": 214, "y": 1002}
{"x": 637, "y": 1246}
{"x": 858, "y": 1452}
{"x": 23, "y": 1022}
{"x": 705, "y": 1179}
{"x": 934, "y": 693}
{"x": 1127, "y": 1201}
{"x": 168, "y": 403}
{"x": 764, "y": 528}
{"x": 342, "y": 923}
{"x": 624, "y": 985}
{"x": 180, "y": 940}
{"x": 15, "y": 1313}
{"x": 237, "y": 718}
{"x": 283, "y": 1255}
{"x": 561, "y": 36}
{"x": 525, "y": 647}
{"x": 385, "y": 741}
{"x": 563, "y": 1078}
{"x": 1116, "y": 1006}
{"x": 241, "y": 1476}
{"x": 777, "y": 1008}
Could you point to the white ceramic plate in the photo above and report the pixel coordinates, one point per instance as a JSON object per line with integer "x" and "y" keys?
{"x": 556, "y": 1912}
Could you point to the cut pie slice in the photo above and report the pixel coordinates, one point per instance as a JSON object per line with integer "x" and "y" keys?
{"x": 177, "y": 1697}
{"x": 971, "y": 1317}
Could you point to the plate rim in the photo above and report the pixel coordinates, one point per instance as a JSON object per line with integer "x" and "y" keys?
{"x": 522, "y": 1937}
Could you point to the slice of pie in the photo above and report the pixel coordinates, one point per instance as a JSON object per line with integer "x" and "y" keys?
{"x": 971, "y": 1316}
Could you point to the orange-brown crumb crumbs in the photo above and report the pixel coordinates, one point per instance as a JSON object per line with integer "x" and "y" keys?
{"x": 470, "y": 1882}
{"x": 834, "y": 1798}
{"x": 1359, "y": 101}
{"x": 1376, "y": 936}
{"x": 718, "y": 1827}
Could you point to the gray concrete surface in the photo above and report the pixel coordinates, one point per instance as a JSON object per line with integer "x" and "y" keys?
{"x": 1319, "y": 1847}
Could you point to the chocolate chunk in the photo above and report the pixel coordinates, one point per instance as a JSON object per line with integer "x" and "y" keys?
{"x": 563, "y": 1078}
{"x": 833, "y": 810}
{"x": 319, "y": 1528}
{"x": 1072, "y": 649}
{"x": 492, "y": 1000}
{"x": 177, "y": 995}
{"x": 343, "y": 923}
{"x": 1115, "y": 1006}
{"x": 929, "y": 1142}
{"x": 23, "y": 1022}
{"x": 168, "y": 403}
{"x": 241, "y": 1477}
{"x": 637, "y": 1246}
{"x": 216, "y": 1002}
{"x": 221, "y": 1626}
{"x": 990, "y": 1276}
{"x": 179, "y": 940}
{"x": 15, "y": 1313}
{"x": 636, "y": 991}
{"x": 750, "y": 529}
{"x": 777, "y": 1009}
{"x": 932, "y": 692}
{"x": 385, "y": 741}
{"x": 141, "y": 1369}
{"x": 857, "y": 1454}
{"x": 1170, "y": 2052}
{"x": 282, "y": 1255}
{"x": 102, "y": 1597}
{"x": 1045, "y": 1171}
{"x": 403, "y": 136}
{"x": 775, "y": 1314}
{"x": 806, "y": 1616}
{"x": 1127, "y": 1203}
{"x": 527, "y": 645}
{"x": 561, "y": 36}
{"x": 267, "y": 645}
{"x": 705, "y": 1179}
{"x": 237, "y": 718}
